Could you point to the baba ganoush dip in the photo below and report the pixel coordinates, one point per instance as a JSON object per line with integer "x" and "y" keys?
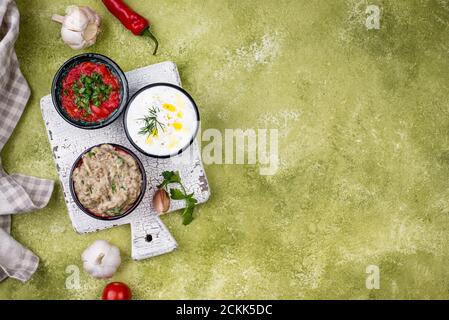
{"x": 108, "y": 181}
{"x": 161, "y": 120}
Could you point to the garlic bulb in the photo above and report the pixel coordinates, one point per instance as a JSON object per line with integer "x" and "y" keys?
{"x": 101, "y": 259}
{"x": 80, "y": 26}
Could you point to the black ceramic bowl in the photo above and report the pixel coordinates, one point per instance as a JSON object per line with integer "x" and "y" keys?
{"x": 78, "y": 162}
{"x": 166, "y": 85}
{"x": 56, "y": 89}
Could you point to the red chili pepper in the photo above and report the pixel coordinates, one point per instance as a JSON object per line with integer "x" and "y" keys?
{"x": 131, "y": 20}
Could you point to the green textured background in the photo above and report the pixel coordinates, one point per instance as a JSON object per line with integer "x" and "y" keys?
{"x": 364, "y": 149}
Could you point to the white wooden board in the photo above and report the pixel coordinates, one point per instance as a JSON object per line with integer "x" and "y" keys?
{"x": 68, "y": 142}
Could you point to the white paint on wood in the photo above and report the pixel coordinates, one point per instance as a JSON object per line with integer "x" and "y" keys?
{"x": 68, "y": 142}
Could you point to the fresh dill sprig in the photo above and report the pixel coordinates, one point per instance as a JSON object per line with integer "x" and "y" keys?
{"x": 151, "y": 123}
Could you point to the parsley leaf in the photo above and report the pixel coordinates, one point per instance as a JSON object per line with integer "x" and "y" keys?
{"x": 187, "y": 215}
{"x": 90, "y": 90}
{"x": 115, "y": 211}
{"x": 179, "y": 194}
{"x": 169, "y": 177}
{"x": 120, "y": 160}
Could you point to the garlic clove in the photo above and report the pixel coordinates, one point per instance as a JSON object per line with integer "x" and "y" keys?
{"x": 77, "y": 46}
{"x": 161, "y": 201}
{"x": 89, "y": 43}
{"x": 104, "y": 273}
{"x": 74, "y": 39}
{"x": 90, "y": 33}
{"x": 112, "y": 257}
{"x": 91, "y": 15}
{"x": 92, "y": 253}
{"x": 75, "y": 20}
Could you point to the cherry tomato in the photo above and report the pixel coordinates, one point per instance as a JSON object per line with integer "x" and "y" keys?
{"x": 116, "y": 291}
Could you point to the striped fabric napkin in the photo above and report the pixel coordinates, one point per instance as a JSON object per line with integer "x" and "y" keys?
{"x": 18, "y": 193}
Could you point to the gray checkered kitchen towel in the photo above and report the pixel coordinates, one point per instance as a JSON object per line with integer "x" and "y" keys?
{"x": 18, "y": 193}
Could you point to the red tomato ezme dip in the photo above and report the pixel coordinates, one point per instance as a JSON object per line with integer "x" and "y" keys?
{"x": 90, "y": 92}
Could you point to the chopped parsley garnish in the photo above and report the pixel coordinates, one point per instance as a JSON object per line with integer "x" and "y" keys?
{"x": 115, "y": 211}
{"x": 90, "y": 90}
{"x": 120, "y": 160}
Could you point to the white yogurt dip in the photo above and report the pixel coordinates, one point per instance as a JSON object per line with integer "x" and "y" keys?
{"x": 161, "y": 120}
